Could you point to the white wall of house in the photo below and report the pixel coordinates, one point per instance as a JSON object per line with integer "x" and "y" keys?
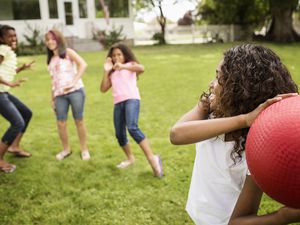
{"x": 81, "y": 28}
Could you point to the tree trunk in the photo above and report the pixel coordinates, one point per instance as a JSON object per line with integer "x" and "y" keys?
{"x": 162, "y": 22}
{"x": 281, "y": 29}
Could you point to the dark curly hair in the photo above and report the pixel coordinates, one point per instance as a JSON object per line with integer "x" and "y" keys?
{"x": 128, "y": 54}
{"x": 250, "y": 74}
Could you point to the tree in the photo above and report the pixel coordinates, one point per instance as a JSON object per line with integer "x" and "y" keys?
{"x": 158, "y": 7}
{"x": 161, "y": 19}
{"x": 249, "y": 14}
{"x": 281, "y": 29}
{"x": 252, "y": 14}
{"x": 187, "y": 19}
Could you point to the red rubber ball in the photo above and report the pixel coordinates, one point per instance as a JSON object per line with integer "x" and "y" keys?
{"x": 273, "y": 151}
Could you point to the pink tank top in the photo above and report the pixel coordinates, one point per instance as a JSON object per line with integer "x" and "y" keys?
{"x": 124, "y": 86}
{"x": 63, "y": 72}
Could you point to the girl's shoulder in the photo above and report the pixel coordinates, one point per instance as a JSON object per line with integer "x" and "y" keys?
{"x": 70, "y": 52}
{"x": 4, "y": 49}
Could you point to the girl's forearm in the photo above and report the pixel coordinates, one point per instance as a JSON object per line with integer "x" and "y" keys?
{"x": 269, "y": 219}
{"x": 105, "y": 83}
{"x": 138, "y": 68}
{"x": 80, "y": 72}
{"x": 194, "y": 131}
{"x": 2, "y": 81}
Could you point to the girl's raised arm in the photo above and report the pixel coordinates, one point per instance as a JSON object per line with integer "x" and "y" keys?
{"x": 192, "y": 131}
{"x": 133, "y": 66}
{"x": 106, "y": 82}
{"x": 189, "y": 132}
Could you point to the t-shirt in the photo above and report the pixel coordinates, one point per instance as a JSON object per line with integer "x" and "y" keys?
{"x": 216, "y": 182}
{"x": 63, "y": 72}
{"x": 8, "y": 66}
{"x": 124, "y": 85}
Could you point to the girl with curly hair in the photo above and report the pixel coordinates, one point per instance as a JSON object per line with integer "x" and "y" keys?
{"x": 248, "y": 79}
{"x": 121, "y": 70}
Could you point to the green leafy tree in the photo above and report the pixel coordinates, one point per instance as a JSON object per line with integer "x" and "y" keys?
{"x": 249, "y": 14}
{"x": 252, "y": 14}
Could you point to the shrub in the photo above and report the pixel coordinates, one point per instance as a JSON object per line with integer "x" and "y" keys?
{"x": 108, "y": 38}
{"x": 34, "y": 39}
{"x": 159, "y": 37}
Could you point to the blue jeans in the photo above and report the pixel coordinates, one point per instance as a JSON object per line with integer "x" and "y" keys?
{"x": 75, "y": 99}
{"x": 126, "y": 115}
{"x": 15, "y": 112}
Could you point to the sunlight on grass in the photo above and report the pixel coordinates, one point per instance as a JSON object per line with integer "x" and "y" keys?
{"x": 45, "y": 191}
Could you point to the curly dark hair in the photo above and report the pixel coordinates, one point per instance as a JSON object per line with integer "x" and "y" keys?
{"x": 128, "y": 54}
{"x": 250, "y": 74}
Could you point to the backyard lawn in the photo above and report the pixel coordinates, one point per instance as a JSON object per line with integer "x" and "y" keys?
{"x": 45, "y": 191}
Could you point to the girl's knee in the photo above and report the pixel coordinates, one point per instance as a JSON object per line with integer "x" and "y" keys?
{"x": 122, "y": 140}
{"x": 79, "y": 122}
{"x": 62, "y": 123}
{"x": 136, "y": 134}
{"x": 18, "y": 126}
{"x": 27, "y": 116}
{"x": 132, "y": 130}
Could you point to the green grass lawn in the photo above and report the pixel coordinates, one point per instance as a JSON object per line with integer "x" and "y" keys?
{"x": 45, "y": 191}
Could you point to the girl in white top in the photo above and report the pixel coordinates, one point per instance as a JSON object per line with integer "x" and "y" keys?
{"x": 66, "y": 68}
{"x": 248, "y": 79}
{"x": 11, "y": 108}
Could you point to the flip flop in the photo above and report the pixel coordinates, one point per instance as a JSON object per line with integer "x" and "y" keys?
{"x": 20, "y": 153}
{"x": 9, "y": 168}
{"x": 85, "y": 155}
{"x": 125, "y": 164}
{"x": 63, "y": 154}
{"x": 161, "y": 169}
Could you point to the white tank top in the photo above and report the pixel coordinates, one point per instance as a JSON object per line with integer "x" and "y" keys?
{"x": 216, "y": 182}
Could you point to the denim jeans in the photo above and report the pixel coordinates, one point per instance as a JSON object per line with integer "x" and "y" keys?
{"x": 75, "y": 99}
{"x": 15, "y": 112}
{"x": 126, "y": 115}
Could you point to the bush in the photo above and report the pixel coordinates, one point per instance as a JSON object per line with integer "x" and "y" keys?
{"x": 108, "y": 38}
{"x": 28, "y": 50}
{"x": 35, "y": 42}
{"x": 159, "y": 37}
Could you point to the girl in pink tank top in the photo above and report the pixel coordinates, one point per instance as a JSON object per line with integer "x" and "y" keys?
{"x": 66, "y": 68}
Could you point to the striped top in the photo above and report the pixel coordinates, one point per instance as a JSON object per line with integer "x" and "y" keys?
{"x": 8, "y": 66}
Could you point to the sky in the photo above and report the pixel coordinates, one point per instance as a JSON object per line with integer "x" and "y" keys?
{"x": 172, "y": 12}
